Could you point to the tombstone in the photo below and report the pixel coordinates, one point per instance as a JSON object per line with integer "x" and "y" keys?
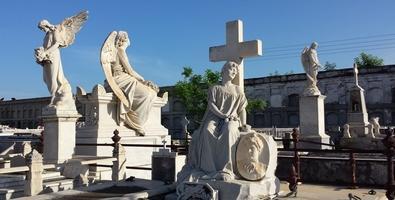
{"x": 166, "y": 164}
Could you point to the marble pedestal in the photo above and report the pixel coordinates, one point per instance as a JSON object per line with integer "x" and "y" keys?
{"x": 312, "y": 121}
{"x": 100, "y": 122}
{"x": 59, "y": 134}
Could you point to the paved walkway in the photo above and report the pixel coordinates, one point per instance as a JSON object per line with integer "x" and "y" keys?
{"x": 325, "y": 192}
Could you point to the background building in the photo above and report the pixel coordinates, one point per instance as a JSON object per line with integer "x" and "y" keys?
{"x": 281, "y": 92}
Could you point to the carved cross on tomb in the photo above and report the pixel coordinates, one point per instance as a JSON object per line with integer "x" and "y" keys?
{"x": 236, "y": 49}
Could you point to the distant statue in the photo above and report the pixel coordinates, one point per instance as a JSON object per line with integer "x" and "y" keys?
{"x": 213, "y": 145}
{"x": 136, "y": 95}
{"x": 311, "y": 66}
{"x": 48, "y": 56}
{"x": 346, "y": 131}
{"x": 376, "y": 125}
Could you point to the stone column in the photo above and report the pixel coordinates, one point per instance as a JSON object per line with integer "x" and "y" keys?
{"x": 119, "y": 165}
{"x": 34, "y": 179}
{"x": 59, "y": 130}
{"x": 312, "y": 121}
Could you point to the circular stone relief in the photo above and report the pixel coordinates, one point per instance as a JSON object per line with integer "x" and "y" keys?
{"x": 252, "y": 156}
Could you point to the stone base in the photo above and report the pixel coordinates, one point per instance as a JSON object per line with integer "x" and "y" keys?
{"x": 362, "y": 143}
{"x": 312, "y": 121}
{"x": 241, "y": 189}
{"x": 322, "y": 139}
{"x": 59, "y": 134}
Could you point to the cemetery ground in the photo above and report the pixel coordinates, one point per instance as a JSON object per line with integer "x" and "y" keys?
{"x": 309, "y": 191}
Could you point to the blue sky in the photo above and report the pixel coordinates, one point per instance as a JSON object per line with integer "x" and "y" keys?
{"x": 168, "y": 35}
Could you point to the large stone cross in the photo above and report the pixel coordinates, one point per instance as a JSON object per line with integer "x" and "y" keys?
{"x": 235, "y": 49}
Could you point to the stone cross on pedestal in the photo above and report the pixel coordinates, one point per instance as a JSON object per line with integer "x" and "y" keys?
{"x": 235, "y": 49}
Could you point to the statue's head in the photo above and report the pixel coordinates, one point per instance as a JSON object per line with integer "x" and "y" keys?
{"x": 314, "y": 45}
{"x": 45, "y": 25}
{"x": 122, "y": 39}
{"x": 230, "y": 69}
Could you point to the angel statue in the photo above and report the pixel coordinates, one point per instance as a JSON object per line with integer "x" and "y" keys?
{"x": 136, "y": 95}
{"x": 48, "y": 56}
{"x": 311, "y": 65}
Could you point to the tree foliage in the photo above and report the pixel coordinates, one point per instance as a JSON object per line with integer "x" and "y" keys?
{"x": 329, "y": 66}
{"x": 368, "y": 60}
{"x": 192, "y": 91}
{"x": 256, "y": 105}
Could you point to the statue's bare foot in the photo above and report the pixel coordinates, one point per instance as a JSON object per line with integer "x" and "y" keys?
{"x": 140, "y": 133}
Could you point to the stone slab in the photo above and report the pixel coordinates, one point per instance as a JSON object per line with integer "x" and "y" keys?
{"x": 240, "y": 189}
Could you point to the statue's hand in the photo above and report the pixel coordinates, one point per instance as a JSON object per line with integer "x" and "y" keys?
{"x": 152, "y": 85}
{"x": 40, "y": 55}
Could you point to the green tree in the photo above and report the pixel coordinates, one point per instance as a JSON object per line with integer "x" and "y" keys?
{"x": 256, "y": 105}
{"x": 329, "y": 66}
{"x": 368, "y": 60}
{"x": 192, "y": 92}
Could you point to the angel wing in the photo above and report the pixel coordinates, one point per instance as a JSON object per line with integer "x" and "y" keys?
{"x": 70, "y": 26}
{"x": 107, "y": 57}
{"x": 305, "y": 59}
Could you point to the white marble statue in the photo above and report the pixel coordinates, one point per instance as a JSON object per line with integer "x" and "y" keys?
{"x": 212, "y": 150}
{"x": 48, "y": 56}
{"x": 311, "y": 66}
{"x": 376, "y": 125}
{"x": 136, "y": 95}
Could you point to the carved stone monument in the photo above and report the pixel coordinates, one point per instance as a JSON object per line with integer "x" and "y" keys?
{"x": 60, "y": 115}
{"x": 127, "y": 103}
{"x": 213, "y": 165}
{"x": 360, "y": 132}
{"x": 311, "y": 104}
{"x": 357, "y": 115}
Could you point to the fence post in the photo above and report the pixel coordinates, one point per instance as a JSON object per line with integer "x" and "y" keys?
{"x": 119, "y": 165}
{"x": 296, "y": 161}
{"x": 389, "y": 143}
{"x": 353, "y": 167}
{"x": 34, "y": 179}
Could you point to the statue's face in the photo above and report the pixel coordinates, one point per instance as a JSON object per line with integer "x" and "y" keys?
{"x": 44, "y": 25}
{"x": 231, "y": 72}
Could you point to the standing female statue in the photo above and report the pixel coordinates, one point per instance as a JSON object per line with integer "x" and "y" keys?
{"x": 136, "y": 95}
{"x": 48, "y": 56}
{"x": 311, "y": 65}
{"x": 212, "y": 151}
